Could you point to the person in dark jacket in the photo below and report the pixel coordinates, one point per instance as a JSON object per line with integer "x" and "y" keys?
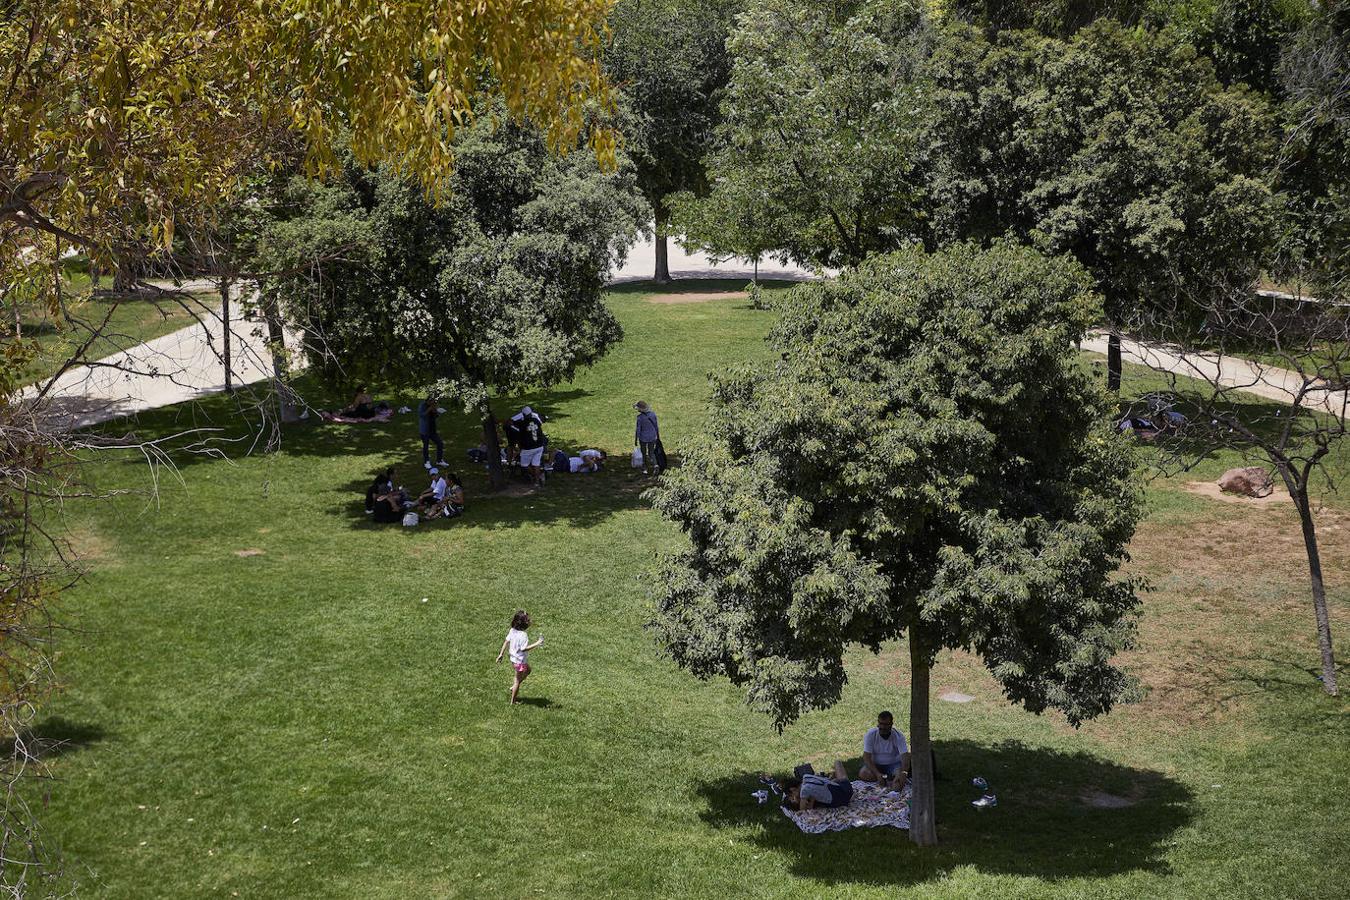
{"x": 426, "y": 427}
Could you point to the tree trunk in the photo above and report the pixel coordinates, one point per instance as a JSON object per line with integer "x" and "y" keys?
{"x": 922, "y": 806}
{"x": 126, "y": 275}
{"x": 225, "y": 320}
{"x": 276, "y": 343}
{"x": 662, "y": 253}
{"x": 1113, "y": 365}
{"x": 496, "y": 477}
{"x": 1319, "y": 593}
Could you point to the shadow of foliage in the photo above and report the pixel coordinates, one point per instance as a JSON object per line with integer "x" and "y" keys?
{"x": 1044, "y": 826}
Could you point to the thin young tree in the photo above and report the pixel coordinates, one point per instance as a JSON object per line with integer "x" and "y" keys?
{"x": 925, "y": 459}
{"x": 1267, "y": 376}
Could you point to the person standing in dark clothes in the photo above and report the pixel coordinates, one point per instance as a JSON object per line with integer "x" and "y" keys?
{"x": 426, "y": 427}
{"x": 532, "y": 442}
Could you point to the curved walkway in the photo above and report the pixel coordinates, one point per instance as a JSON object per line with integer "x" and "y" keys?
{"x": 187, "y": 364}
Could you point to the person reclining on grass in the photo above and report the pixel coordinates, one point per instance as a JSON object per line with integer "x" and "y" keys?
{"x": 885, "y": 754}
{"x": 811, "y": 791}
{"x": 586, "y": 461}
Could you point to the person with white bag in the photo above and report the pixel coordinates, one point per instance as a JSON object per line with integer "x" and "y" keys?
{"x": 647, "y": 437}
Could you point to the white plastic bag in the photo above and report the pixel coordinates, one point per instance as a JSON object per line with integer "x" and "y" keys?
{"x": 410, "y": 519}
{"x": 637, "y": 457}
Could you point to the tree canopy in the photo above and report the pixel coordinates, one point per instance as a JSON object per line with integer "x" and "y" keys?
{"x": 495, "y": 290}
{"x": 823, "y": 131}
{"x": 668, "y": 61}
{"x": 126, "y": 117}
{"x": 926, "y": 457}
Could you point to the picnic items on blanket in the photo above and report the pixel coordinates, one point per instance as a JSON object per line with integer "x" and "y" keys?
{"x": 383, "y": 415}
{"x": 872, "y": 806}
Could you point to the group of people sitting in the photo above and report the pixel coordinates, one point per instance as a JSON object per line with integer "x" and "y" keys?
{"x": 886, "y": 762}
{"x": 444, "y": 498}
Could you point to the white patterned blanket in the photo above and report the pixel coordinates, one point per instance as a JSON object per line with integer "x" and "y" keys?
{"x": 871, "y": 807}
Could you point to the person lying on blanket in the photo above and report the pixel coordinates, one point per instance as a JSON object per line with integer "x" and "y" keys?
{"x": 811, "y": 791}
{"x": 885, "y": 754}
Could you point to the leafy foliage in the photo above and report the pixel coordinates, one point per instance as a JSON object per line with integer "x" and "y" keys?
{"x": 668, "y": 60}
{"x": 1119, "y": 147}
{"x": 926, "y": 456}
{"x": 823, "y": 128}
{"x": 497, "y": 289}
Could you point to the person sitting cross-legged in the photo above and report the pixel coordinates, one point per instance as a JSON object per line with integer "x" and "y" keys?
{"x": 433, "y": 498}
{"x": 885, "y": 754}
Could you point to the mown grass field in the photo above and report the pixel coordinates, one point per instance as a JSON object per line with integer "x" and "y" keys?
{"x": 298, "y": 723}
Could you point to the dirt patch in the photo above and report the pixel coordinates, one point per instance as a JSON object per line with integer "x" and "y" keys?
{"x": 692, "y": 297}
{"x": 251, "y": 551}
{"x": 1211, "y": 490}
{"x": 89, "y": 546}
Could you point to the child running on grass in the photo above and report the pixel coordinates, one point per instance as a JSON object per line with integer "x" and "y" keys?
{"x": 518, "y": 643}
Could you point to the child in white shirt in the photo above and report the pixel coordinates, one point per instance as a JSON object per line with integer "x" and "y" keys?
{"x": 518, "y": 643}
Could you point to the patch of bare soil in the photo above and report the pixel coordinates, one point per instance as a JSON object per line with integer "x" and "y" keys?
{"x": 692, "y": 297}
{"x": 251, "y": 551}
{"x": 89, "y": 546}
{"x": 1211, "y": 489}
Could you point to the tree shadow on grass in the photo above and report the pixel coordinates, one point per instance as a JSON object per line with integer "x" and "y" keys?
{"x": 56, "y": 736}
{"x": 579, "y": 501}
{"x": 702, "y": 285}
{"x": 1050, "y": 822}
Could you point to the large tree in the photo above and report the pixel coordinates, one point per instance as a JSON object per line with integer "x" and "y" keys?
{"x": 668, "y": 59}
{"x": 1117, "y": 146}
{"x": 926, "y": 458}
{"x": 123, "y": 120}
{"x": 824, "y": 131}
{"x": 494, "y": 291}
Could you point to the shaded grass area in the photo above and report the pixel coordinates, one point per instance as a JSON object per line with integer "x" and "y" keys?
{"x": 298, "y": 723}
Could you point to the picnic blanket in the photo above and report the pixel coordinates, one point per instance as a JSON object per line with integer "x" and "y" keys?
{"x": 871, "y": 807}
{"x": 382, "y": 416}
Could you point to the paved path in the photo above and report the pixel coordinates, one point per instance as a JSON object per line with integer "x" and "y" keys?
{"x": 186, "y": 364}
{"x": 1227, "y": 372}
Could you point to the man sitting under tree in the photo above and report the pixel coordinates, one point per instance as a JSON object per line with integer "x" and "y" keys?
{"x": 885, "y": 754}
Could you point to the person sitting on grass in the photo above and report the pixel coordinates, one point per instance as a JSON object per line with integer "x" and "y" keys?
{"x": 586, "y": 461}
{"x": 454, "y": 497}
{"x": 885, "y": 754}
{"x": 363, "y": 406}
{"x": 811, "y": 791}
{"x": 383, "y": 484}
{"x": 433, "y": 498}
{"x": 389, "y": 506}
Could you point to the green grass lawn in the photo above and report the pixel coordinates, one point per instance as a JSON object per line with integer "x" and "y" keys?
{"x": 122, "y": 321}
{"x": 299, "y": 723}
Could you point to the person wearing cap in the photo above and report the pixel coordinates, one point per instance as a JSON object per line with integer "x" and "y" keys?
{"x": 433, "y": 498}
{"x": 530, "y": 431}
{"x": 647, "y": 435}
